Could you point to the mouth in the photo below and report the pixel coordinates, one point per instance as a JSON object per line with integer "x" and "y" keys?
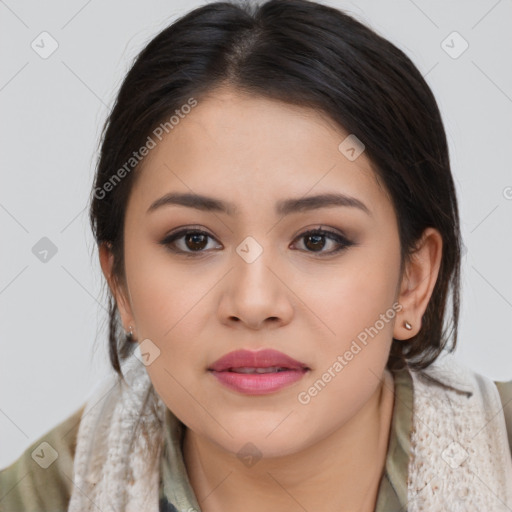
{"x": 261, "y": 361}
{"x": 257, "y": 373}
{"x": 258, "y": 381}
{"x": 271, "y": 369}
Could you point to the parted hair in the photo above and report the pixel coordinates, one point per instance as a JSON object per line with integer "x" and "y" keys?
{"x": 308, "y": 54}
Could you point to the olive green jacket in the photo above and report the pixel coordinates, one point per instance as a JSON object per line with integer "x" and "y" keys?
{"x": 41, "y": 479}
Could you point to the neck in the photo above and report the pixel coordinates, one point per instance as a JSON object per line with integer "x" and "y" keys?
{"x": 342, "y": 471}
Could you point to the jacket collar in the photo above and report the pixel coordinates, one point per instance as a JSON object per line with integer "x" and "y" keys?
{"x": 447, "y": 371}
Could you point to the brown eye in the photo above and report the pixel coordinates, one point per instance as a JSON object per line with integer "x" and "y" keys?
{"x": 317, "y": 239}
{"x": 187, "y": 241}
{"x": 193, "y": 242}
{"x": 315, "y": 242}
{"x": 196, "y": 241}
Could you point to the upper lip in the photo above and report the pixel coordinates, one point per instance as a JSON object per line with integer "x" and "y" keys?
{"x": 261, "y": 359}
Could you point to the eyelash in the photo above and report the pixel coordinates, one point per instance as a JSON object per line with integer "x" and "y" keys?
{"x": 343, "y": 242}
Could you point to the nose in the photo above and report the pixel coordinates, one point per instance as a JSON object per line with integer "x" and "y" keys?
{"x": 255, "y": 294}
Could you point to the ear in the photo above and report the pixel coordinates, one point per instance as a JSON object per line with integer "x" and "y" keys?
{"x": 418, "y": 281}
{"x": 120, "y": 295}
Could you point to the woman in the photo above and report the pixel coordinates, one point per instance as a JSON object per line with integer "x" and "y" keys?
{"x": 277, "y": 223}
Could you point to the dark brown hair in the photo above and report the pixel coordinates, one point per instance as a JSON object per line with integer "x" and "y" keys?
{"x": 303, "y": 53}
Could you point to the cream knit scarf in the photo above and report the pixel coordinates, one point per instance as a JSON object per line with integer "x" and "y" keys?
{"x": 460, "y": 458}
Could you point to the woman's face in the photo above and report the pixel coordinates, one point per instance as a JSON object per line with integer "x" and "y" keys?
{"x": 253, "y": 279}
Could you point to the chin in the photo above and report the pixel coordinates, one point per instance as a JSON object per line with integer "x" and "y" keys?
{"x": 255, "y": 441}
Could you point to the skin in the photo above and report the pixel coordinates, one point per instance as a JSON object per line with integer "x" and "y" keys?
{"x": 295, "y": 297}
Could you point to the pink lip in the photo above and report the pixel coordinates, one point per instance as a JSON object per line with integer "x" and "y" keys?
{"x": 256, "y": 384}
{"x": 260, "y": 359}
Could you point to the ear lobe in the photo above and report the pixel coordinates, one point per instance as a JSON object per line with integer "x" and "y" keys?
{"x": 419, "y": 279}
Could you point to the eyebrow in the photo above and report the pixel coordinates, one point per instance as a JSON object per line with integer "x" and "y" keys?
{"x": 283, "y": 207}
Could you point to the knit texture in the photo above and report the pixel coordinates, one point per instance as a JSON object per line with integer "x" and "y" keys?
{"x": 456, "y": 439}
{"x": 119, "y": 443}
{"x": 460, "y": 457}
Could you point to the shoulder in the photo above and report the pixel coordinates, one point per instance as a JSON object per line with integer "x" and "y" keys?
{"x": 505, "y": 391}
{"x": 41, "y": 479}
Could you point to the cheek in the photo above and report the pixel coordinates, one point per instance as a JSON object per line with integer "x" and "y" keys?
{"x": 171, "y": 308}
{"x": 358, "y": 309}
{"x": 357, "y": 306}
{"x": 166, "y": 296}
{"x": 353, "y": 296}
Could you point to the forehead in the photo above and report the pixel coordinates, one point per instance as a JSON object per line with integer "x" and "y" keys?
{"x": 240, "y": 147}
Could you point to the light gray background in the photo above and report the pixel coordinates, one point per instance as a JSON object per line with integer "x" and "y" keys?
{"x": 53, "y": 318}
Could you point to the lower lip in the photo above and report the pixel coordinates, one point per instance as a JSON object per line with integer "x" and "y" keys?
{"x": 258, "y": 383}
